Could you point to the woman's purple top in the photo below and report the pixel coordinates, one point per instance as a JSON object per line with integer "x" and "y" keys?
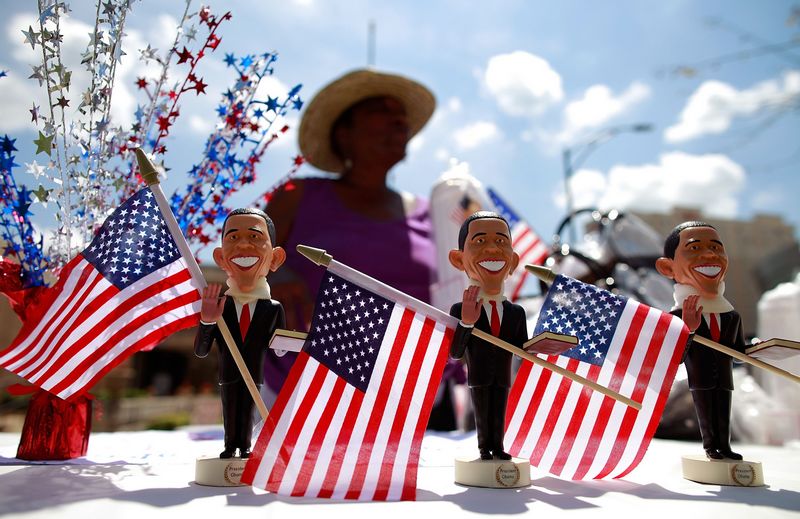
{"x": 400, "y": 253}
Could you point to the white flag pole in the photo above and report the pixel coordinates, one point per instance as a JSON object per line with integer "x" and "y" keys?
{"x": 150, "y": 175}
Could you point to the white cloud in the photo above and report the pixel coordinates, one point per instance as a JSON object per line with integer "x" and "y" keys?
{"x": 200, "y": 125}
{"x": 523, "y": 84}
{"x": 709, "y": 182}
{"x": 475, "y": 134}
{"x": 442, "y": 154}
{"x": 17, "y": 101}
{"x": 714, "y": 105}
{"x": 598, "y": 106}
{"x": 454, "y": 104}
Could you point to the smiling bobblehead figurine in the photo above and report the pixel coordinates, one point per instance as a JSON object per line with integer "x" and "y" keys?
{"x": 484, "y": 253}
{"x": 247, "y": 255}
{"x": 695, "y": 258}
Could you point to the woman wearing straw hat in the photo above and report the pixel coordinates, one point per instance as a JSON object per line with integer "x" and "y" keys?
{"x": 356, "y": 127}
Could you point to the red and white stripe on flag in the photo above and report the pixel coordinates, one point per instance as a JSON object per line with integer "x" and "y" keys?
{"x": 532, "y": 251}
{"x": 576, "y": 433}
{"x": 325, "y": 437}
{"x": 126, "y": 292}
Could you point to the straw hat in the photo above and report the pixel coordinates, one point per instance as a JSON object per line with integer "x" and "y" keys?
{"x": 336, "y": 97}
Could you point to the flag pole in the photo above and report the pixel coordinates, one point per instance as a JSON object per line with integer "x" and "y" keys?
{"x": 322, "y": 258}
{"x": 150, "y": 175}
{"x": 746, "y": 358}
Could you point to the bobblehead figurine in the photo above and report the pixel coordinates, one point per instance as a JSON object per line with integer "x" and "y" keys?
{"x": 695, "y": 258}
{"x": 485, "y": 255}
{"x": 247, "y": 255}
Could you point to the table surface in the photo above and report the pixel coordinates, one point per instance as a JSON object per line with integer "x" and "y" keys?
{"x": 150, "y": 474}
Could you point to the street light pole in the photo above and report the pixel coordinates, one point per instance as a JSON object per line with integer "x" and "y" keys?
{"x": 573, "y": 158}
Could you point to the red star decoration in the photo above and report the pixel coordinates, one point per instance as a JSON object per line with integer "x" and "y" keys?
{"x": 213, "y": 41}
{"x": 205, "y": 13}
{"x": 163, "y": 124}
{"x": 141, "y": 82}
{"x": 184, "y": 56}
{"x": 172, "y": 95}
{"x": 62, "y": 102}
{"x": 298, "y": 160}
{"x": 285, "y": 128}
{"x": 200, "y": 87}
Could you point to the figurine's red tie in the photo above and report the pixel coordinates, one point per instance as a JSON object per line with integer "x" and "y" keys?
{"x": 244, "y": 321}
{"x": 495, "y": 323}
{"x": 714, "y": 327}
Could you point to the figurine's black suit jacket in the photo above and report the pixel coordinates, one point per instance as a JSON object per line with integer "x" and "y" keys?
{"x": 708, "y": 368}
{"x": 488, "y": 365}
{"x": 237, "y": 404}
{"x": 267, "y": 317}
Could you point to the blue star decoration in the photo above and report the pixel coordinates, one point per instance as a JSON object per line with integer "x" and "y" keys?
{"x": 7, "y": 163}
{"x": 3, "y": 73}
{"x": 7, "y": 145}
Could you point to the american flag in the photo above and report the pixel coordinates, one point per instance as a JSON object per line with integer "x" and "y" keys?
{"x": 524, "y": 240}
{"x": 350, "y": 418}
{"x": 572, "y": 431}
{"x": 126, "y": 292}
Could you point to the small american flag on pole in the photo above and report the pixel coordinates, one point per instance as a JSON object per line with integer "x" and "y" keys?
{"x": 524, "y": 240}
{"x": 350, "y": 418}
{"x": 126, "y": 292}
{"x": 572, "y": 431}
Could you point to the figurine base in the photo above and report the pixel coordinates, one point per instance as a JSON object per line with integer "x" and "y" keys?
{"x": 217, "y": 472}
{"x": 475, "y": 472}
{"x": 722, "y": 472}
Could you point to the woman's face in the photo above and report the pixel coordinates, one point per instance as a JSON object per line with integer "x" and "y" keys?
{"x": 375, "y": 131}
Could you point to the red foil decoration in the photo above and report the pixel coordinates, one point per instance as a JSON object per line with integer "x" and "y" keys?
{"x": 54, "y": 429}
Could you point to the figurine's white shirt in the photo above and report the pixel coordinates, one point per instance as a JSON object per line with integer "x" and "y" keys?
{"x": 716, "y": 305}
{"x": 260, "y": 291}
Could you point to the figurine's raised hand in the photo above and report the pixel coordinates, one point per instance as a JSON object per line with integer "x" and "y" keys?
{"x": 212, "y": 304}
{"x": 471, "y": 305}
{"x": 691, "y": 312}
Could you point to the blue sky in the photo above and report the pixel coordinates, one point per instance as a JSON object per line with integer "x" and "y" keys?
{"x": 516, "y": 82}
